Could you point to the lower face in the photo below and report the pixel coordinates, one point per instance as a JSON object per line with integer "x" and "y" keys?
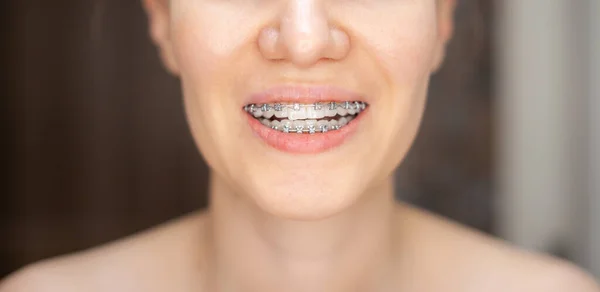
{"x": 304, "y": 142}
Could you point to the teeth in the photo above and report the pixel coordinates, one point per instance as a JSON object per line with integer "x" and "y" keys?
{"x": 286, "y": 126}
{"x": 333, "y": 124}
{"x": 330, "y": 113}
{"x": 310, "y": 123}
{"x": 257, "y": 112}
{"x": 298, "y": 113}
{"x": 269, "y": 114}
{"x": 299, "y": 126}
{"x": 342, "y": 111}
{"x": 319, "y": 114}
{"x": 307, "y": 126}
{"x": 306, "y": 118}
{"x": 354, "y": 108}
{"x": 276, "y": 125}
{"x": 312, "y": 113}
{"x": 282, "y": 113}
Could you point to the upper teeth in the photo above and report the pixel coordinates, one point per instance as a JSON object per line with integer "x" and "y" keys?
{"x": 297, "y": 111}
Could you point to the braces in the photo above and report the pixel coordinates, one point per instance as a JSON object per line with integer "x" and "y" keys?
{"x": 310, "y": 127}
{"x": 356, "y": 105}
{"x": 309, "y": 130}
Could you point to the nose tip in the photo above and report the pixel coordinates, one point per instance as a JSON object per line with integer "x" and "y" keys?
{"x": 305, "y": 48}
{"x": 304, "y": 36}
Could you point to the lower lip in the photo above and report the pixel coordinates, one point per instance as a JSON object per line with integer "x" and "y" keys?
{"x": 304, "y": 143}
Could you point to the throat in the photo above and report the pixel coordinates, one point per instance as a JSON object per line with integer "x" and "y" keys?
{"x": 260, "y": 252}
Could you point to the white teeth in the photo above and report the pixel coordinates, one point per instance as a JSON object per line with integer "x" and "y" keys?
{"x": 286, "y": 126}
{"x": 299, "y": 126}
{"x": 298, "y": 111}
{"x": 330, "y": 113}
{"x": 297, "y": 114}
{"x": 283, "y": 113}
{"x": 312, "y": 113}
{"x": 311, "y": 126}
{"x": 319, "y": 114}
{"x": 275, "y": 124}
{"x": 306, "y": 118}
{"x": 307, "y": 126}
{"x": 268, "y": 114}
{"x": 286, "y": 122}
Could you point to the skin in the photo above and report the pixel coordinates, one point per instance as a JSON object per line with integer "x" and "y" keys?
{"x": 319, "y": 222}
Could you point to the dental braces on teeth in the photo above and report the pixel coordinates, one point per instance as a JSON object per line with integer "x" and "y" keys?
{"x": 306, "y": 118}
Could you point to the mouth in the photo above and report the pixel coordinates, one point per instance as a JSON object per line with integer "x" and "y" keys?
{"x": 305, "y": 120}
{"x": 309, "y": 119}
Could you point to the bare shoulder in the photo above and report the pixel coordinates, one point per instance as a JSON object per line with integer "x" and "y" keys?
{"x": 149, "y": 261}
{"x": 472, "y": 261}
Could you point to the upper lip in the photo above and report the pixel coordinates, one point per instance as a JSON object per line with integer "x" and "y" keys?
{"x": 303, "y": 94}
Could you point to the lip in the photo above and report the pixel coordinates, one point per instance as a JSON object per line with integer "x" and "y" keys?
{"x": 304, "y": 94}
{"x": 304, "y": 143}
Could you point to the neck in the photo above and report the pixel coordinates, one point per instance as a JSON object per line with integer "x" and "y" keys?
{"x": 254, "y": 251}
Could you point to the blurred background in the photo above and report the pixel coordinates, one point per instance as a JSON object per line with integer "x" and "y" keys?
{"x": 97, "y": 147}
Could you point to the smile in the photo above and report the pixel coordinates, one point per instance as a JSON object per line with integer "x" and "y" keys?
{"x": 306, "y": 118}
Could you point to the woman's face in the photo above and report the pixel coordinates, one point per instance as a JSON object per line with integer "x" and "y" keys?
{"x": 301, "y": 158}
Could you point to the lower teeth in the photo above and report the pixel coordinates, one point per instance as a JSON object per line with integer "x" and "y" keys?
{"x": 307, "y": 126}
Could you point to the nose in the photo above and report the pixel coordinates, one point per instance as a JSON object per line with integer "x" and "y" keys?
{"x": 304, "y": 35}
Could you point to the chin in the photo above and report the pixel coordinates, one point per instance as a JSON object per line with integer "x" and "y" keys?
{"x": 309, "y": 196}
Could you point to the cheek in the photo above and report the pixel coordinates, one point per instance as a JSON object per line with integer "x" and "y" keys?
{"x": 205, "y": 48}
{"x": 400, "y": 36}
{"x": 403, "y": 46}
{"x": 203, "y": 41}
